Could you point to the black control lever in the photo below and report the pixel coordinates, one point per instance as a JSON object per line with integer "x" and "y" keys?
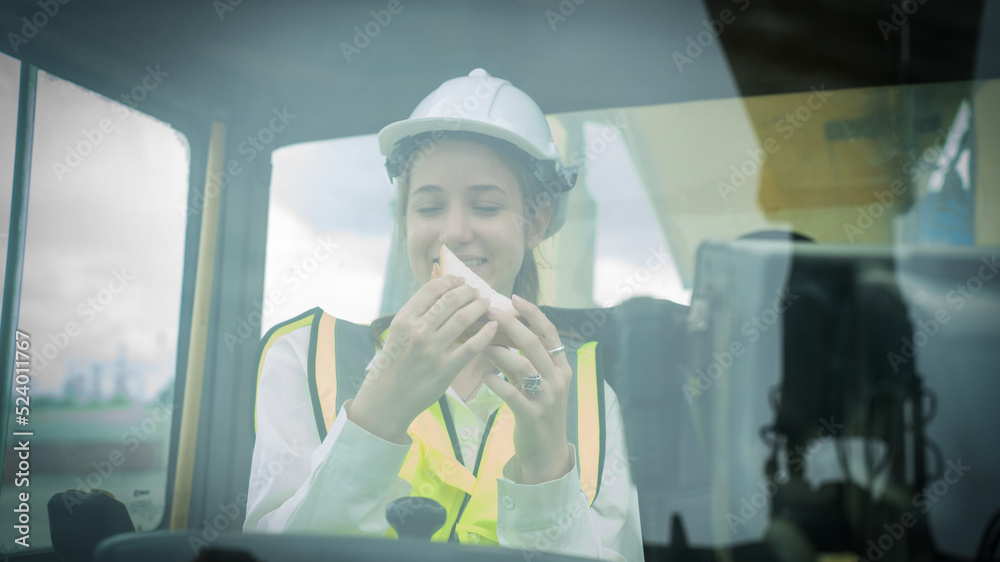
{"x": 416, "y": 518}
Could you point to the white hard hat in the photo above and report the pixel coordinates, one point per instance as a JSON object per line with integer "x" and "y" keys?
{"x": 484, "y": 105}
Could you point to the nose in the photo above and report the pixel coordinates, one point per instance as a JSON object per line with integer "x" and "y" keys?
{"x": 457, "y": 227}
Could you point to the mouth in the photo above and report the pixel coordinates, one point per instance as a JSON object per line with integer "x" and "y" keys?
{"x": 475, "y": 264}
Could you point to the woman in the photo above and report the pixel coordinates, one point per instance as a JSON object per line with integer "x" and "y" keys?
{"x": 520, "y": 450}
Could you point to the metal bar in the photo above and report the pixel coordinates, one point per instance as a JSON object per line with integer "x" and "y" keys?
{"x": 18, "y": 226}
{"x": 197, "y": 349}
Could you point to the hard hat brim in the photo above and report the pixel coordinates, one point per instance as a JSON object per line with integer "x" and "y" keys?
{"x": 392, "y": 133}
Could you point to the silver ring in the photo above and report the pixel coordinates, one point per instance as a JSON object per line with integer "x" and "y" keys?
{"x": 557, "y": 350}
{"x": 532, "y": 383}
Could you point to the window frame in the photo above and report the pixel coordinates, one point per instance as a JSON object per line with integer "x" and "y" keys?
{"x": 196, "y": 134}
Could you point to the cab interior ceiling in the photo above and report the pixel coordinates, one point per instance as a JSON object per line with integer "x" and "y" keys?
{"x": 235, "y": 59}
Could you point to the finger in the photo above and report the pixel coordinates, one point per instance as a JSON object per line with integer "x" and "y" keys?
{"x": 474, "y": 345}
{"x": 526, "y": 340}
{"x": 547, "y": 332}
{"x": 507, "y": 392}
{"x": 449, "y": 303}
{"x": 464, "y": 317}
{"x": 512, "y": 364}
{"x": 428, "y": 294}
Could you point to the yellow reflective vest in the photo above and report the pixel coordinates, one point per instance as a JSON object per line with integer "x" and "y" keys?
{"x": 339, "y": 352}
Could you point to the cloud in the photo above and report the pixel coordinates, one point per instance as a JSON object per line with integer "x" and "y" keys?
{"x": 116, "y": 211}
{"x": 302, "y": 273}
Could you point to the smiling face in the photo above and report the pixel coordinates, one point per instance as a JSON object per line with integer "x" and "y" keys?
{"x": 465, "y": 195}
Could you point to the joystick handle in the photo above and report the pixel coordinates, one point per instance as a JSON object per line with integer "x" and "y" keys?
{"x": 414, "y": 517}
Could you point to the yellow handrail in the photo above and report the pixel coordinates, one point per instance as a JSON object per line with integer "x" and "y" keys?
{"x": 184, "y": 473}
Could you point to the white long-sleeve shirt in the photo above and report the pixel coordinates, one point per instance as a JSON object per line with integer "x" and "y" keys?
{"x": 343, "y": 483}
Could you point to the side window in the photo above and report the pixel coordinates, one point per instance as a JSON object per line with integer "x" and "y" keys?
{"x": 10, "y": 69}
{"x": 329, "y": 231}
{"x": 100, "y": 302}
{"x": 631, "y": 256}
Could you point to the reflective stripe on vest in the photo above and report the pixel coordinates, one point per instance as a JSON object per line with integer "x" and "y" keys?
{"x": 268, "y": 340}
{"x": 338, "y": 353}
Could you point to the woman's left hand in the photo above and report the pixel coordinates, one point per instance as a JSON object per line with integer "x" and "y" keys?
{"x": 540, "y": 442}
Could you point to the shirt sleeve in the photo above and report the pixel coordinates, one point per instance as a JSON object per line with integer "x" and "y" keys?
{"x": 299, "y": 483}
{"x": 556, "y": 516}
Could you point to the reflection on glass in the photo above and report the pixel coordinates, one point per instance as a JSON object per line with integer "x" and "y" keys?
{"x": 866, "y": 169}
{"x": 100, "y": 299}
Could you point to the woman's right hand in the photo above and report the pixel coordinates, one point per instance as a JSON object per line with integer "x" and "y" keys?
{"x": 420, "y": 357}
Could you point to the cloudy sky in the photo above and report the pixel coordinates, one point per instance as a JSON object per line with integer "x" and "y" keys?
{"x": 103, "y": 255}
